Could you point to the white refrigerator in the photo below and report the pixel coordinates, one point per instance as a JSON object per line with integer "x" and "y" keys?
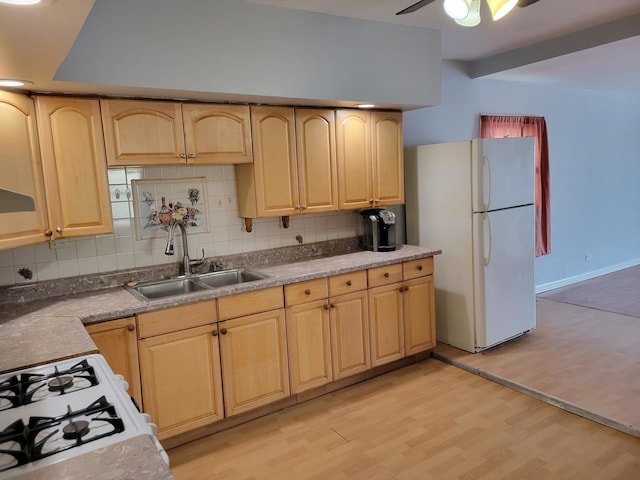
{"x": 474, "y": 201}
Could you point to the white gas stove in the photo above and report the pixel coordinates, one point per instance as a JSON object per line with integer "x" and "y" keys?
{"x": 63, "y": 409}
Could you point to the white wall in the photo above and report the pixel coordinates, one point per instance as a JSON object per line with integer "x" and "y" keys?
{"x": 594, "y": 148}
{"x": 236, "y": 47}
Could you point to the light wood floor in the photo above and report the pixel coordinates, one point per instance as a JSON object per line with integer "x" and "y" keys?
{"x": 436, "y": 421}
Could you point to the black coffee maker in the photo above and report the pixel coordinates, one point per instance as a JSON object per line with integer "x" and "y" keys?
{"x": 379, "y": 229}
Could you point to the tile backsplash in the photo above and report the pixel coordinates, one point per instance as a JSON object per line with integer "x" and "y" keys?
{"x": 121, "y": 250}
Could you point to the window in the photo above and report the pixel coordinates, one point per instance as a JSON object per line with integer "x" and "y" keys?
{"x": 499, "y": 126}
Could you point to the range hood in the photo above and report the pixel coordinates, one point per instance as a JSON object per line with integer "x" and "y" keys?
{"x": 15, "y": 202}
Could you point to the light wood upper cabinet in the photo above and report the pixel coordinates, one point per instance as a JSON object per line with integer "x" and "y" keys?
{"x": 20, "y": 155}
{"x": 317, "y": 168}
{"x": 255, "y": 370}
{"x": 370, "y": 158}
{"x": 117, "y": 342}
{"x": 140, "y": 132}
{"x": 294, "y": 169}
{"x": 75, "y": 170}
{"x": 269, "y": 186}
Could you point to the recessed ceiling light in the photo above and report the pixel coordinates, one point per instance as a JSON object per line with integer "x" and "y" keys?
{"x": 20, "y": 2}
{"x": 13, "y": 82}
{"x": 366, "y": 105}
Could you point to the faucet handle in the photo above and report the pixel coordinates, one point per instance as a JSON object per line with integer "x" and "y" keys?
{"x": 197, "y": 261}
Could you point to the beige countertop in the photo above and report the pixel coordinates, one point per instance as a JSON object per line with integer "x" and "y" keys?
{"x": 52, "y": 329}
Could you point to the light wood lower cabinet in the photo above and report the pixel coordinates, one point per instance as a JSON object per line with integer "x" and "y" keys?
{"x": 181, "y": 382}
{"x": 254, "y": 361}
{"x": 349, "y": 319}
{"x": 402, "y": 313}
{"x": 117, "y": 342}
{"x": 180, "y": 367}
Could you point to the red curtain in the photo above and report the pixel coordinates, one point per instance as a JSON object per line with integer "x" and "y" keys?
{"x": 499, "y": 126}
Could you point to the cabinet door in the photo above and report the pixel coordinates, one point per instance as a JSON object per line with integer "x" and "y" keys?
{"x": 387, "y": 324}
{"x": 419, "y": 315}
{"x": 274, "y": 156}
{"x": 316, "y": 152}
{"x": 387, "y": 158}
{"x": 353, "y": 140}
{"x": 178, "y": 398}
{"x": 116, "y": 340}
{"x": 254, "y": 361}
{"x": 75, "y": 170}
{"x": 139, "y": 132}
{"x": 349, "y": 334}
{"x": 217, "y": 134}
{"x": 308, "y": 344}
{"x": 20, "y": 155}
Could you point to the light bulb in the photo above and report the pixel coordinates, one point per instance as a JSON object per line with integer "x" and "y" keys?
{"x": 499, "y": 8}
{"x": 473, "y": 18}
{"x": 457, "y": 9}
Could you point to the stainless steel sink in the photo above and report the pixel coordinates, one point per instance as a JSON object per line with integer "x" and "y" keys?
{"x": 206, "y": 281}
{"x": 229, "y": 277}
{"x": 167, "y": 288}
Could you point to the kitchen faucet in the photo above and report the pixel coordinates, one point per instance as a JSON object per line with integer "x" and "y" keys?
{"x": 187, "y": 263}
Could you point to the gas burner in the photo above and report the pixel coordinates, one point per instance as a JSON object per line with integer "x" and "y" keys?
{"x": 75, "y": 430}
{"x": 38, "y": 385}
{"x": 58, "y": 384}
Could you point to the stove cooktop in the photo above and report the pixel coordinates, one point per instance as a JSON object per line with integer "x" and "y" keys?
{"x": 56, "y": 411}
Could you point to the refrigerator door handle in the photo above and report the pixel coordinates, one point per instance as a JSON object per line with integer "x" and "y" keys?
{"x": 487, "y": 240}
{"x": 487, "y": 164}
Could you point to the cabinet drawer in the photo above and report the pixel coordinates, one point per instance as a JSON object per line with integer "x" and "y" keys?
{"x": 347, "y": 282}
{"x": 176, "y": 318}
{"x": 303, "y": 292}
{"x": 384, "y": 275}
{"x": 417, "y": 268}
{"x": 250, "y": 302}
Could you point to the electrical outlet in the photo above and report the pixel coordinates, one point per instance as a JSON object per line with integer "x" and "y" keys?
{"x": 59, "y": 243}
{"x": 587, "y": 257}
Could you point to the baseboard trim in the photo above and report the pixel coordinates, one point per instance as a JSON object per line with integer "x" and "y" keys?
{"x": 544, "y": 287}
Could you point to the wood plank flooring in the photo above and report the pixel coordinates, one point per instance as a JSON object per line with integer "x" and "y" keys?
{"x": 426, "y": 421}
{"x": 586, "y": 357}
{"x": 433, "y": 420}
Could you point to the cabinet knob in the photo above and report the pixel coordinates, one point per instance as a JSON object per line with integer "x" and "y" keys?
{"x": 215, "y": 333}
{"x": 332, "y": 305}
{"x": 348, "y": 283}
{"x": 307, "y": 292}
{"x": 386, "y": 274}
{"x": 183, "y": 155}
{"x": 223, "y": 331}
{"x": 406, "y": 289}
{"x": 59, "y": 229}
{"x": 131, "y": 328}
{"x": 326, "y": 307}
{"x": 401, "y": 289}
{"x": 376, "y": 200}
{"x": 371, "y": 201}
{"x": 304, "y": 207}
{"x": 298, "y": 207}
{"x": 48, "y": 232}
{"x": 191, "y": 155}
{"x": 419, "y": 268}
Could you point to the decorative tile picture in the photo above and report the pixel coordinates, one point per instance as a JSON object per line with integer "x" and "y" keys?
{"x": 156, "y": 203}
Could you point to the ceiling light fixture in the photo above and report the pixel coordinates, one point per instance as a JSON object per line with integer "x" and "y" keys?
{"x": 473, "y": 18}
{"x": 20, "y": 2}
{"x": 13, "y": 82}
{"x": 366, "y": 105}
{"x": 456, "y": 9}
{"x": 499, "y": 8}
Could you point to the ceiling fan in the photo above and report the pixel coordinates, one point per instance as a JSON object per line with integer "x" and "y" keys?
{"x": 494, "y": 5}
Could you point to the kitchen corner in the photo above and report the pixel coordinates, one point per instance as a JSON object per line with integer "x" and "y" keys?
{"x": 51, "y": 329}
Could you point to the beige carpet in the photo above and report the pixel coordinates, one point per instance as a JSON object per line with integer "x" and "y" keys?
{"x": 617, "y": 292}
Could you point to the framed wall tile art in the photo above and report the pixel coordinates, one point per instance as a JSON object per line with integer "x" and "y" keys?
{"x": 156, "y": 203}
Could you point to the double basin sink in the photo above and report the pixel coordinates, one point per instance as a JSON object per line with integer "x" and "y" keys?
{"x": 195, "y": 283}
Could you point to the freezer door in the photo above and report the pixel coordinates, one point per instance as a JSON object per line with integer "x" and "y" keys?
{"x": 504, "y": 297}
{"x": 502, "y": 172}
